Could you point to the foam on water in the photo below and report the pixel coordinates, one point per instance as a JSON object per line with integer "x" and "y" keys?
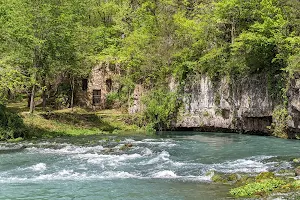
{"x": 66, "y": 149}
{"x": 61, "y": 175}
{"x": 162, "y": 157}
{"x": 164, "y": 174}
{"x": 70, "y": 175}
{"x": 118, "y": 174}
{"x": 108, "y": 158}
{"x": 241, "y": 165}
{"x": 39, "y": 167}
{"x": 155, "y": 142}
{"x": 147, "y": 152}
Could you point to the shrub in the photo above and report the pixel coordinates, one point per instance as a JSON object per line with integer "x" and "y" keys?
{"x": 11, "y": 125}
{"x": 279, "y": 126}
{"x": 111, "y": 99}
{"x": 160, "y": 108}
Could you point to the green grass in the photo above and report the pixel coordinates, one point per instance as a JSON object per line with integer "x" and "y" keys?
{"x": 76, "y": 122}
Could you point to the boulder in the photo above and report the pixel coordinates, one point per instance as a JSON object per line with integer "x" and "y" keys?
{"x": 297, "y": 171}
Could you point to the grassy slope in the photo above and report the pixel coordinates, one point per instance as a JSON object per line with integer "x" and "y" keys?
{"x": 73, "y": 123}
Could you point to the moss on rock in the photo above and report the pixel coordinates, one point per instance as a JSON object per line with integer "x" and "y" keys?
{"x": 257, "y": 188}
{"x": 297, "y": 171}
{"x": 265, "y": 175}
{"x": 264, "y": 184}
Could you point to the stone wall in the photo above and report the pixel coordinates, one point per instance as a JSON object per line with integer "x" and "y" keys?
{"x": 101, "y": 79}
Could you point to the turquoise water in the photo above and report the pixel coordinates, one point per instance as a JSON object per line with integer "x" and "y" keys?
{"x": 172, "y": 166}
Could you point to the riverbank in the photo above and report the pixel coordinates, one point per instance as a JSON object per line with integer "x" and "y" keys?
{"x": 49, "y": 123}
{"x": 75, "y": 122}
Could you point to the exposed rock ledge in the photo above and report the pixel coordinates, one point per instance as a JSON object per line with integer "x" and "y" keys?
{"x": 244, "y": 105}
{"x": 237, "y": 105}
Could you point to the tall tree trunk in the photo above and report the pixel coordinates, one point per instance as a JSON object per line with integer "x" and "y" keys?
{"x": 9, "y": 94}
{"x": 28, "y": 99}
{"x": 44, "y": 95}
{"x": 72, "y": 95}
{"x": 31, "y": 109}
{"x": 232, "y": 31}
{"x": 128, "y": 101}
{"x": 36, "y": 66}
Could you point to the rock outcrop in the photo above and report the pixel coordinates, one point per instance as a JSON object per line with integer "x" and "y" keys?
{"x": 241, "y": 105}
{"x": 136, "y": 105}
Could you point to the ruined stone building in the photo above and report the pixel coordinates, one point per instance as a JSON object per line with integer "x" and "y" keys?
{"x": 94, "y": 89}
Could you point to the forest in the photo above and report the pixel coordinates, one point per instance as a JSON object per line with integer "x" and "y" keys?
{"x": 47, "y": 45}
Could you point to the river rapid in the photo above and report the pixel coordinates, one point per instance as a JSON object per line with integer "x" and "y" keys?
{"x": 173, "y": 166}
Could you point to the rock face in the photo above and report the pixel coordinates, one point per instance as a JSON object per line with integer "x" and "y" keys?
{"x": 294, "y": 104}
{"x": 243, "y": 105}
{"x": 240, "y": 105}
{"x": 136, "y": 105}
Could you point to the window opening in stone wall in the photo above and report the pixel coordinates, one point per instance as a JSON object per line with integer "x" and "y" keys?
{"x": 108, "y": 85}
{"x": 84, "y": 84}
{"x": 96, "y": 97}
{"x": 112, "y": 67}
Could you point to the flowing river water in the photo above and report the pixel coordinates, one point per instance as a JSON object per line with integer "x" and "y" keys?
{"x": 172, "y": 166}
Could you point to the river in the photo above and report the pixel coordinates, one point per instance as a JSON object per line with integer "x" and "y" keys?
{"x": 172, "y": 166}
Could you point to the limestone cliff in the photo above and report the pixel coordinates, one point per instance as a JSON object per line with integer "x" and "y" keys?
{"x": 294, "y": 104}
{"x": 236, "y": 105}
{"x": 242, "y": 104}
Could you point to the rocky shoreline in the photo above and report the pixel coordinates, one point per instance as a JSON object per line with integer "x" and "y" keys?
{"x": 283, "y": 184}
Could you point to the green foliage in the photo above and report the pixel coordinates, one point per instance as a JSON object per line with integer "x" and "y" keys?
{"x": 217, "y": 178}
{"x": 266, "y": 183}
{"x": 280, "y": 120}
{"x": 51, "y": 43}
{"x": 257, "y": 188}
{"x": 160, "y": 108}
{"x": 296, "y": 184}
{"x": 265, "y": 175}
{"x": 225, "y": 178}
{"x": 11, "y": 125}
{"x": 111, "y": 99}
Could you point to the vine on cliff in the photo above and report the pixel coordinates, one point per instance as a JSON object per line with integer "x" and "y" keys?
{"x": 279, "y": 126}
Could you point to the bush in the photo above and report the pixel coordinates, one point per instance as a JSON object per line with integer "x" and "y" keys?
{"x": 279, "y": 126}
{"x": 111, "y": 99}
{"x": 160, "y": 108}
{"x": 11, "y": 125}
